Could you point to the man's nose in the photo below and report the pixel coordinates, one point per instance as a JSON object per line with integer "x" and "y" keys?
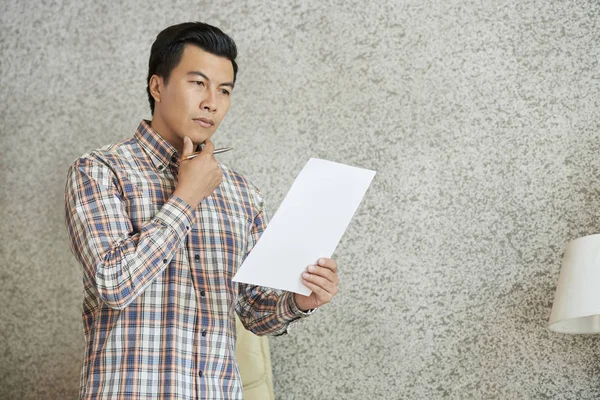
{"x": 209, "y": 103}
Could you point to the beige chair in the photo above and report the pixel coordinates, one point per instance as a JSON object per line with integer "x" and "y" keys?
{"x": 254, "y": 360}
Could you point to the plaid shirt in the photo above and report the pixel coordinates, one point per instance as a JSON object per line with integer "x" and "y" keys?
{"x": 158, "y": 307}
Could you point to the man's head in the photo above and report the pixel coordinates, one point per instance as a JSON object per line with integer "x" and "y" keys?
{"x": 191, "y": 74}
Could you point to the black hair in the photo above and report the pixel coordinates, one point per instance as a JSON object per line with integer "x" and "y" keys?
{"x": 168, "y": 48}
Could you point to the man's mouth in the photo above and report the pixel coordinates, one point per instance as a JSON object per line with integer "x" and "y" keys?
{"x": 204, "y": 122}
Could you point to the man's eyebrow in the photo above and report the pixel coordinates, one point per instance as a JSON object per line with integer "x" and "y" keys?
{"x": 230, "y": 84}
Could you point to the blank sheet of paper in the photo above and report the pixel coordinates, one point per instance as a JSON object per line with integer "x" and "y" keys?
{"x": 308, "y": 225}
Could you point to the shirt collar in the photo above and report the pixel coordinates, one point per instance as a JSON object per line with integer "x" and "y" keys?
{"x": 160, "y": 151}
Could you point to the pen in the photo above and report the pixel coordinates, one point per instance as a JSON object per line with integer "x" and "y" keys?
{"x": 217, "y": 151}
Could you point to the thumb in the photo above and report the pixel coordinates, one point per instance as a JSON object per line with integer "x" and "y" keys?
{"x": 188, "y": 146}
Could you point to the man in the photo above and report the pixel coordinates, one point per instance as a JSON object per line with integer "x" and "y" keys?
{"x": 159, "y": 239}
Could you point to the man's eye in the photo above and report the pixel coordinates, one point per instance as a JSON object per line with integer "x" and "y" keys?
{"x": 199, "y": 83}
{"x": 225, "y": 92}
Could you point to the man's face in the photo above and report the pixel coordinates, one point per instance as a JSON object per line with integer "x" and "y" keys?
{"x": 196, "y": 98}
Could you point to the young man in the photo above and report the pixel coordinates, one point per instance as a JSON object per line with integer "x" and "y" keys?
{"x": 159, "y": 239}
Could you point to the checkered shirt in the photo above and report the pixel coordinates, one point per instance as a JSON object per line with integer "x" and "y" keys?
{"x": 159, "y": 302}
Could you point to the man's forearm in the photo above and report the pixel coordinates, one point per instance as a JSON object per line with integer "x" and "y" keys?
{"x": 121, "y": 264}
{"x": 131, "y": 265}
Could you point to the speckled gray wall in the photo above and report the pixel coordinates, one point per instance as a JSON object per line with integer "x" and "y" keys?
{"x": 481, "y": 117}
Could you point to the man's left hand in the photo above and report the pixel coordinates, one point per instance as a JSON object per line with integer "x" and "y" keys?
{"x": 323, "y": 280}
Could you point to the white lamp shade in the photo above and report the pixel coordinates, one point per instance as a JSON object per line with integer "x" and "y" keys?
{"x": 576, "y": 307}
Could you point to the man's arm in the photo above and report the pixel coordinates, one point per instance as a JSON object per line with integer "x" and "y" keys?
{"x": 266, "y": 311}
{"x": 262, "y": 310}
{"x": 120, "y": 262}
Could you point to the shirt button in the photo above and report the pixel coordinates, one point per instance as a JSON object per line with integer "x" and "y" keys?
{"x": 200, "y": 374}
{"x": 197, "y": 257}
{"x": 203, "y": 332}
{"x": 202, "y": 293}
{"x": 165, "y": 261}
{"x": 174, "y": 159}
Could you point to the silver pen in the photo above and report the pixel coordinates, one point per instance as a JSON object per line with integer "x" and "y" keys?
{"x": 197, "y": 153}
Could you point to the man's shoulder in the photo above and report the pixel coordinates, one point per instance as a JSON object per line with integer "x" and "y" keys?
{"x": 104, "y": 162}
{"x": 111, "y": 154}
{"x": 229, "y": 174}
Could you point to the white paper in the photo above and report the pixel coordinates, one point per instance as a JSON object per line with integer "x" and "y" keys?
{"x": 308, "y": 225}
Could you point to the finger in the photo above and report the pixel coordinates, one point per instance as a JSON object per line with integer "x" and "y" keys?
{"x": 321, "y": 295}
{"x": 209, "y": 147}
{"x": 322, "y": 271}
{"x": 325, "y": 284}
{"x": 328, "y": 263}
{"x": 188, "y": 146}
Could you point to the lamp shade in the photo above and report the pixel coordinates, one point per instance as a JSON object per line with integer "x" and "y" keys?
{"x": 576, "y": 307}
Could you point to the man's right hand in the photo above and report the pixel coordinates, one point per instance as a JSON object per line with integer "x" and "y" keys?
{"x": 198, "y": 177}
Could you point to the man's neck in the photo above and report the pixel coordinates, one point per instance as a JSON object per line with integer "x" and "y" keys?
{"x": 162, "y": 129}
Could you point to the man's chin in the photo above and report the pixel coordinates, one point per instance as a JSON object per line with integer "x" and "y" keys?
{"x": 200, "y": 137}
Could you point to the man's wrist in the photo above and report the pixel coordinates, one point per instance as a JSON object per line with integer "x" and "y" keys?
{"x": 298, "y": 307}
{"x": 176, "y": 214}
{"x": 188, "y": 199}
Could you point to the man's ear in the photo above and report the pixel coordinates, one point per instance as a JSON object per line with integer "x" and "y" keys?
{"x": 156, "y": 87}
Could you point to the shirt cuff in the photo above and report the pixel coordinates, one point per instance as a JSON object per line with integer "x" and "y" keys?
{"x": 176, "y": 214}
{"x": 288, "y": 309}
{"x": 298, "y": 311}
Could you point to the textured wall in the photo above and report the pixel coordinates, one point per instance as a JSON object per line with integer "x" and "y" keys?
{"x": 481, "y": 118}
